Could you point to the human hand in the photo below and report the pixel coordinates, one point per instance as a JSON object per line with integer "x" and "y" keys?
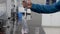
{"x": 27, "y": 3}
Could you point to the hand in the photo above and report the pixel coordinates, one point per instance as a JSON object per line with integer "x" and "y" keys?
{"x": 27, "y": 3}
{"x": 24, "y": 3}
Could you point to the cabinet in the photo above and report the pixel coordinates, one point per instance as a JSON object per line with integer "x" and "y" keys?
{"x": 51, "y": 19}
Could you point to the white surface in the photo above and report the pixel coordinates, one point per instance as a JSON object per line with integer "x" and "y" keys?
{"x": 51, "y": 19}
{"x": 52, "y": 30}
{"x": 21, "y": 9}
{"x": 55, "y": 19}
{"x": 46, "y": 19}
{"x": 28, "y": 11}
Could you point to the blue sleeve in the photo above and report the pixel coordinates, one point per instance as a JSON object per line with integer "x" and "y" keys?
{"x": 46, "y": 8}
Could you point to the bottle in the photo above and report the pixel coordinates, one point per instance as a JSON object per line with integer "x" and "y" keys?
{"x": 29, "y": 14}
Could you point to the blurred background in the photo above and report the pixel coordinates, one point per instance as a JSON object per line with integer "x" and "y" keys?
{"x": 49, "y": 22}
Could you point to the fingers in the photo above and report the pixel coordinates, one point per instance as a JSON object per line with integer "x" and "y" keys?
{"x": 24, "y": 4}
{"x": 27, "y": 3}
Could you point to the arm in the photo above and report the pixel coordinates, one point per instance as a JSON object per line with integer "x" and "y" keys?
{"x": 46, "y": 8}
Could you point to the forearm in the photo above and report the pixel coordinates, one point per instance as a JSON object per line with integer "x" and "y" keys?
{"x": 44, "y": 8}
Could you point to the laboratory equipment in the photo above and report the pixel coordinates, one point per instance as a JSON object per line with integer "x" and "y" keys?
{"x": 23, "y": 23}
{"x": 11, "y": 22}
{"x": 26, "y": 15}
{"x": 5, "y": 13}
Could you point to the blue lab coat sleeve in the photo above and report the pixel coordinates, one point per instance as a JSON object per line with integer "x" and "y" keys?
{"x": 46, "y": 8}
